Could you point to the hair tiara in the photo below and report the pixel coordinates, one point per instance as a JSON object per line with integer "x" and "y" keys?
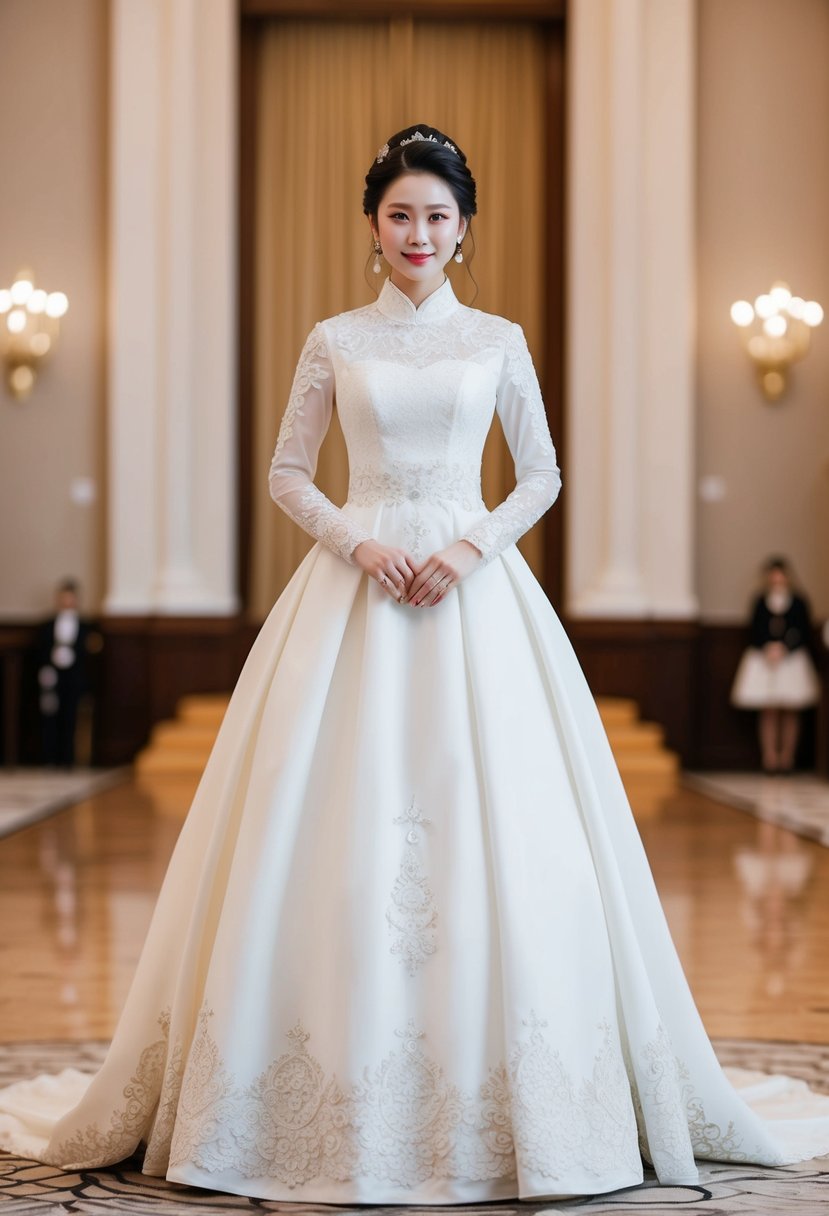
{"x": 384, "y": 151}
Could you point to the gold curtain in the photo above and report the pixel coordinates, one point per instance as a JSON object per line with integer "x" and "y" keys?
{"x": 330, "y": 93}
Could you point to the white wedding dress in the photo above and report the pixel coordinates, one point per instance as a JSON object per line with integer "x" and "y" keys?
{"x": 408, "y": 949}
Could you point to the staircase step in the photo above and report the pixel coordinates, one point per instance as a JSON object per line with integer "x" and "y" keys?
{"x": 179, "y": 762}
{"x": 187, "y": 734}
{"x": 204, "y": 708}
{"x": 637, "y": 736}
{"x": 633, "y": 764}
{"x": 617, "y": 709}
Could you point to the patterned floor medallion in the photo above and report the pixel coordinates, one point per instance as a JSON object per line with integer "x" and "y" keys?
{"x": 723, "y": 1190}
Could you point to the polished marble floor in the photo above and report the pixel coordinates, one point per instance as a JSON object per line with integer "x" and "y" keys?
{"x": 799, "y": 802}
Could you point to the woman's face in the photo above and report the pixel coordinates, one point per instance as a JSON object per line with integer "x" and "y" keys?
{"x": 776, "y": 579}
{"x": 418, "y": 226}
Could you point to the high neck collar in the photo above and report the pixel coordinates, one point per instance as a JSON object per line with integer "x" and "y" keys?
{"x": 394, "y": 303}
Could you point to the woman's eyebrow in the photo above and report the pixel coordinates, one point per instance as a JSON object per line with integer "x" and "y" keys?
{"x": 427, "y": 206}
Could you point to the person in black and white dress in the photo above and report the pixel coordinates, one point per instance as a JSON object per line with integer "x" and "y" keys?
{"x": 776, "y": 674}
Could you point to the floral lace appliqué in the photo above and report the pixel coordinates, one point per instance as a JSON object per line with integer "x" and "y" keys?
{"x": 93, "y": 1145}
{"x": 420, "y": 482}
{"x": 559, "y": 1126}
{"x": 411, "y": 914}
{"x": 404, "y": 1120}
{"x": 310, "y": 372}
{"x": 522, "y": 374}
{"x": 673, "y": 1126}
{"x": 437, "y": 422}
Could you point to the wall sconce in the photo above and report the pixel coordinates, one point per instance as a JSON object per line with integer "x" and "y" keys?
{"x": 776, "y": 330}
{"x": 29, "y": 328}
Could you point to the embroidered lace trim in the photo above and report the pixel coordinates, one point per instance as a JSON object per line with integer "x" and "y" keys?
{"x": 466, "y": 335}
{"x": 306, "y": 504}
{"x": 521, "y": 372}
{"x": 329, "y": 524}
{"x": 416, "y": 482}
{"x": 515, "y": 515}
{"x": 311, "y": 370}
{"x": 674, "y": 1129}
{"x": 403, "y": 1120}
{"x": 94, "y": 1145}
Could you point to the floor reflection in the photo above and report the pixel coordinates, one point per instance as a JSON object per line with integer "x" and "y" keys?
{"x": 773, "y": 873}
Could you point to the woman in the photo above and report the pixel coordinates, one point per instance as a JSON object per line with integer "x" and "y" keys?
{"x": 776, "y": 674}
{"x": 408, "y": 948}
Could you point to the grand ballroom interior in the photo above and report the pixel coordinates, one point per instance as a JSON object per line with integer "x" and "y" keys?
{"x": 181, "y": 203}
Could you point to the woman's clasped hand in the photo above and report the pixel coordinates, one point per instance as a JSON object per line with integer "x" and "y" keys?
{"x": 421, "y": 585}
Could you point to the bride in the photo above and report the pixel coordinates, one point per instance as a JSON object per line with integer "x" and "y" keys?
{"x": 408, "y": 949}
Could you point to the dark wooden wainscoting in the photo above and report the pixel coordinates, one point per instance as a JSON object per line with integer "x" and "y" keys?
{"x": 651, "y": 661}
{"x": 679, "y": 672}
{"x": 142, "y": 667}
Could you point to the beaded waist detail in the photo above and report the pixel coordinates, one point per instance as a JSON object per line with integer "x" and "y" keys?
{"x": 416, "y": 483}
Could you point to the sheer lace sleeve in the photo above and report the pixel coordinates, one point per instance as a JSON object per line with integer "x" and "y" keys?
{"x": 304, "y": 425}
{"x": 538, "y": 479}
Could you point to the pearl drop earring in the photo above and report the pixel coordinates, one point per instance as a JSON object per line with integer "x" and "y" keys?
{"x": 459, "y": 253}
{"x": 378, "y": 249}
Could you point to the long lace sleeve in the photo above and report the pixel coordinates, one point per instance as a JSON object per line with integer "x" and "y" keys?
{"x": 304, "y": 425}
{"x": 537, "y": 475}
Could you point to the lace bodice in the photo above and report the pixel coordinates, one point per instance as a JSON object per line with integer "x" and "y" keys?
{"x": 416, "y": 389}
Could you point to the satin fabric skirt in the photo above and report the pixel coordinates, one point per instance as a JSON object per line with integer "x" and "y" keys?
{"x": 408, "y": 948}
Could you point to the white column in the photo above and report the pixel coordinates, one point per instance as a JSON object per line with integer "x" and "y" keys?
{"x": 630, "y": 301}
{"x": 172, "y": 354}
{"x": 668, "y": 434}
{"x": 134, "y": 293}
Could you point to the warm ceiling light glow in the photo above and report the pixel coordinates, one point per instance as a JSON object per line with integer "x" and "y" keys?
{"x": 16, "y": 321}
{"x": 812, "y": 313}
{"x": 775, "y": 326}
{"x": 56, "y": 304}
{"x": 780, "y": 295}
{"x": 21, "y": 290}
{"x": 742, "y": 313}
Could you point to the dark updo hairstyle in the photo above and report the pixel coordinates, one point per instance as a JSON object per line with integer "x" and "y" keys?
{"x": 778, "y": 562}
{"x": 423, "y": 155}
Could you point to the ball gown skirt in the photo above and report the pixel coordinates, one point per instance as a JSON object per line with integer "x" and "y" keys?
{"x": 395, "y": 793}
{"x": 790, "y": 683}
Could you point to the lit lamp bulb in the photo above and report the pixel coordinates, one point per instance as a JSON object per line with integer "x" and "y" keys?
{"x": 742, "y": 313}
{"x": 29, "y": 328}
{"x": 776, "y": 332}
